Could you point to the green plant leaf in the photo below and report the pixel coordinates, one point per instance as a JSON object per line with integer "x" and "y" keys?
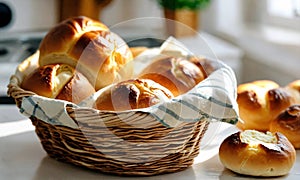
{"x": 183, "y": 4}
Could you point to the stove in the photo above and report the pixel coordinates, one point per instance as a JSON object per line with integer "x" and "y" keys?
{"x": 13, "y": 50}
{"x": 21, "y": 30}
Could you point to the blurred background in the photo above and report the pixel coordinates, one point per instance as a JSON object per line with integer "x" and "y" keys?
{"x": 259, "y": 39}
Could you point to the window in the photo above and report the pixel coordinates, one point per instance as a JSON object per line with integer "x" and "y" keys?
{"x": 284, "y": 8}
{"x": 284, "y": 13}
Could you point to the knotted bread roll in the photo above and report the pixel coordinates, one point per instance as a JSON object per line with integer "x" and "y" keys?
{"x": 89, "y": 46}
{"x": 262, "y": 101}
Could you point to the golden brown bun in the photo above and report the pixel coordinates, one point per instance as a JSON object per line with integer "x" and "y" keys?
{"x": 288, "y": 123}
{"x": 89, "y": 46}
{"x": 257, "y": 154}
{"x": 137, "y": 50}
{"x": 295, "y": 85}
{"x": 294, "y": 89}
{"x": 205, "y": 65}
{"x": 58, "y": 81}
{"x": 176, "y": 74}
{"x": 132, "y": 94}
{"x": 261, "y": 101}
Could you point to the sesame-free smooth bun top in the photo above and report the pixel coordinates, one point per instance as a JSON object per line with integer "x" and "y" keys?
{"x": 295, "y": 85}
{"x": 91, "y": 47}
{"x": 255, "y": 153}
{"x": 132, "y": 94}
{"x": 177, "y": 74}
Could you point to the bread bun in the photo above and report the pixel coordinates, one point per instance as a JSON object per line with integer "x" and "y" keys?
{"x": 90, "y": 47}
{"x": 176, "y": 74}
{"x": 294, "y": 89}
{"x": 205, "y": 65}
{"x": 288, "y": 123}
{"x": 260, "y": 102}
{"x": 132, "y": 94}
{"x": 58, "y": 81}
{"x": 137, "y": 50}
{"x": 294, "y": 85}
{"x": 257, "y": 154}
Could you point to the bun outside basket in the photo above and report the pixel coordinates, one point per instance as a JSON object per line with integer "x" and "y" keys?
{"x": 107, "y": 142}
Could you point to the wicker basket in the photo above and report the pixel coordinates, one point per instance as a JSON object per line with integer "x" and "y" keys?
{"x": 108, "y": 142}
{"x": 135, "y": 143}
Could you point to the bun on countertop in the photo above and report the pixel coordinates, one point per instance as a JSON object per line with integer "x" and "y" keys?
{"x": 89, "y": 46}
{"x": 177, "y": 74}
{"x": 257, "y": 154}
{"x": 262, "y": 101}
{"x": 294, "y": 88}
{"x": 132, "y": 94}
{"x": 288, "y": 123}
{"x": 59, "y": 81}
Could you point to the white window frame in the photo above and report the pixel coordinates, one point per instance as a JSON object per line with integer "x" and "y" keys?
{"x": 284, "y": 22}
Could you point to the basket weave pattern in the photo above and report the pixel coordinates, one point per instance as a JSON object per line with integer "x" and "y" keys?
{"x": 126, "y": 143}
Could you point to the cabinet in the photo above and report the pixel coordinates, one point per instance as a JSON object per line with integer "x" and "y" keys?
{"x": 89, "y": 8}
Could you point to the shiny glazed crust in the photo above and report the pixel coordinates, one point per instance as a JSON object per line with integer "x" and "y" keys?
{"x": 295, "y": 85}
{"x": 265, "y": 159}
{"x": 58, "y": 81}
{"x": 90, "y": 46}
{"x": 137, "y": 50}
{"x": 40, "y": 81}
{"x": 205, "y": 65}
{"x": 288, "y": 123}
{"x": 132, "y": 94}
{"x": 261, "y": 101}
{"x": 176, "y": 74}
{"x": 77, "y": 89}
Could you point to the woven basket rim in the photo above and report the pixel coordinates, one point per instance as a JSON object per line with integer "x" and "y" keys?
{"x": 157, "y": 111}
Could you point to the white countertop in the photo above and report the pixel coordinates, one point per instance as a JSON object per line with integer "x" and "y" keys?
{"x": 22, "y": 157}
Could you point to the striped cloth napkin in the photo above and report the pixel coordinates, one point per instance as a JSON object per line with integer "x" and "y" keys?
{"x": 213, "y": 99}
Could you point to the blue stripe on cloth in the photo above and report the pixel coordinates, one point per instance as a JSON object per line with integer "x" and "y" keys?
{"x": 176, "y": 116}
{"x": 195, "y": 108}
{"x": 37, "y": 109}
{"x": 214, "y": 100}
{"x": 160, "y": 120}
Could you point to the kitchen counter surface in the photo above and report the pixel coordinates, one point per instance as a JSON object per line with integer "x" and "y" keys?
{"x": 22, "y": 157}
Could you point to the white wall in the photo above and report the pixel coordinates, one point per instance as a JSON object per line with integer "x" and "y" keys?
{"x": 31, "y": 15}
{"x": 119, "y": 11}
{"x": 270, "y": 52}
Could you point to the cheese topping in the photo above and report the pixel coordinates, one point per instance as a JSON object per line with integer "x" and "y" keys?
{"x": 253, "y": 137}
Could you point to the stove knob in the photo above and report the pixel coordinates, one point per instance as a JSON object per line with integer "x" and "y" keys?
{"x": 5, "y": 14}
{"x": 3, "y": 51}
